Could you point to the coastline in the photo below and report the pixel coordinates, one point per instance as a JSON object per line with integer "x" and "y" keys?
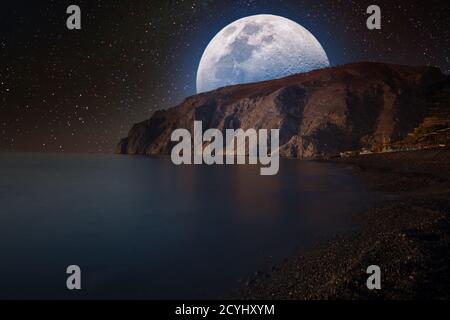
{"x": 407, "y": 234}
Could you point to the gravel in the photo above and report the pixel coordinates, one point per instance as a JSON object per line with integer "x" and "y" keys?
{"x": 406, "y": 233}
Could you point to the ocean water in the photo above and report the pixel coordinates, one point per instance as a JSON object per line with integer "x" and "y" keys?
{"x": 142, "y": 228}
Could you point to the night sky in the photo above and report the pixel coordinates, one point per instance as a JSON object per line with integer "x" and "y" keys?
{"x": 80, "y": 91}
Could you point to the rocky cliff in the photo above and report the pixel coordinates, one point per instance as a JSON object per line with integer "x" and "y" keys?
{"x": 321, "y": 113}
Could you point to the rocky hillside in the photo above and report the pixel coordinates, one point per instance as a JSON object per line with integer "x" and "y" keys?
{"x": 320, "y": 113}
{"x": 434, "y": 129}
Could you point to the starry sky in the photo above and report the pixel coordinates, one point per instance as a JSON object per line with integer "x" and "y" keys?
{"x": 81, "y": 91}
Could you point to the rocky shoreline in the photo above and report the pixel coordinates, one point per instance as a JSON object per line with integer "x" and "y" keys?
{"x": 407, "y": 235}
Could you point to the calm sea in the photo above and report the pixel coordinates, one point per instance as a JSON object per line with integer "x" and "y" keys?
{"x": 143, "y": 228}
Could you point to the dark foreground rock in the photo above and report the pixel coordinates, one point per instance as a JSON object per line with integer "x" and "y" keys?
{"x": 407, "y": 235}
{"x": 319, "y": 114}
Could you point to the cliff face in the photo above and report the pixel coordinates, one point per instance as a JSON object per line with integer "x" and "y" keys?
{"x": 319, "y": 113}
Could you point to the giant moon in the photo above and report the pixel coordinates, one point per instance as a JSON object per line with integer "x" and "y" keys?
{"x": 258, "y": 48}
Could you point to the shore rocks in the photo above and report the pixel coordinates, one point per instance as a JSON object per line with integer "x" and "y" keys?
{"x": 407, "y": 235}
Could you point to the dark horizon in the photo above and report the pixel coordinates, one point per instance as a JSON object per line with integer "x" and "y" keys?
{"x": 112, "y": 151}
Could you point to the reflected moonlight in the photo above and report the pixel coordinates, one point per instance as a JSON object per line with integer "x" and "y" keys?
{"x": 258, "y": 48}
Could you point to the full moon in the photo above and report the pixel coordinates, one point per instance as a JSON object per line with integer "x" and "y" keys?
{"x": 258, "y": 48}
